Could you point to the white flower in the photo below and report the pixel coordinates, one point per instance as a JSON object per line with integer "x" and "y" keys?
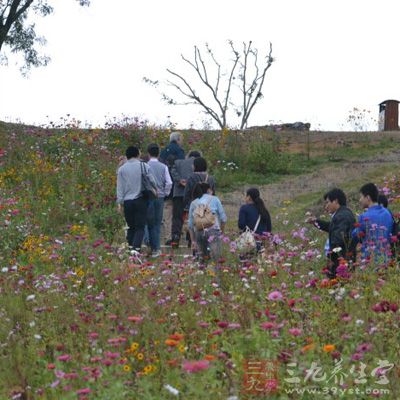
{"x": 32, "y": 324}
{"x": 38, "y": 337}
{"x": 172, "y": 390}
{"x": 4, "y": 269}
{"x": 359, "y": 322}
{"x": 30, "y": 297}
{"x": 337, "y": 249}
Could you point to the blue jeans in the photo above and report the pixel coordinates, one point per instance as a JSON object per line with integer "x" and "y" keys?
{"x": 155, "y": 212}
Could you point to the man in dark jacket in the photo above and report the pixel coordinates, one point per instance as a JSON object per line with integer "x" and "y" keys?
{"x": 339, "y": 243}
{"x": 180, "y": 173}
{"x": 173, "y": 151}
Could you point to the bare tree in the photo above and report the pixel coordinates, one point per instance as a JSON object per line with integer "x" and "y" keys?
{"x": 246, "y": 73}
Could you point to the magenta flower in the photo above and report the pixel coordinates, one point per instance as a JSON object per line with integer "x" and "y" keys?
{"x": 364, "y": 347}
{"x": 83, "y": 391}
{"x": 346, "y": 317}
{"x": 276, "y": 295}
{"x": 268, "y": 326}
{"x": 195, "y": 366}
{"x": 295, "y": 331}
{"x": 64, "y": 357}
{"x": 357, "y": 356}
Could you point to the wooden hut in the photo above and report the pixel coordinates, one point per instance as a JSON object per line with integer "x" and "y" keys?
{"x": 389, "y": 115}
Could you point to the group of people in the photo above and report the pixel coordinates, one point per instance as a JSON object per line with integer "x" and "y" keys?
{"x": 375, "y": 230}
{"x": 194, "y": 199}
{"x": 192, "y": 189}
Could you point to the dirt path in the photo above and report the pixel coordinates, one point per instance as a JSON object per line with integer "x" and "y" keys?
{"x": 324, "y": 178}
{"x": 293, "y": 186}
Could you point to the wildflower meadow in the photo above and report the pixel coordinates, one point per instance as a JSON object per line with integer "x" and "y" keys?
{"x": 83, "y": 318}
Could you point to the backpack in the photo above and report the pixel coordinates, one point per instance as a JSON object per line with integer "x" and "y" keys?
{"x": 246, "y": 242}
{"x": 203, "y": 217}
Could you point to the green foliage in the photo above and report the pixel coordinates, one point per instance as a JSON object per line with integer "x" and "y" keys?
{"x": 263, "y": 158}
{"x": 106, "y": 222}
{"x": 19, "y": 35}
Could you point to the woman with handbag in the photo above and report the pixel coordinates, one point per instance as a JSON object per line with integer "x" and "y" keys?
{"x": 254, "y": 219}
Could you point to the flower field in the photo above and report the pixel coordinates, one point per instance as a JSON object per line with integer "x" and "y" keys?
{"x": 82, "y": 318}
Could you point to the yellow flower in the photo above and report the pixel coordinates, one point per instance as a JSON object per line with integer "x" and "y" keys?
{"x": 127, "y": 368}
{"x": 140, "y": 356}
{"x": 181, "y": 348}
{"x": 147, "y": 369}
{"x": 134, "y": 346}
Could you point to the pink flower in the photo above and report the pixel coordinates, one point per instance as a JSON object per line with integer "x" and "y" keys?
{"x": 357, "y": 356}
{"x": 135, "y": 318}
{"x": 83, "y": 391}
{"x": 295, "y": 331}
{"x": 195, "y": 366}
{"x": 346, "y": 317}
{"x": 64, "y": 357}
{"x": 364, "y": 347}
{"x": 267, "y": 325}
{"x": 93, "y": 335}
{"x": 275, "y": 296}
{"x": 71, "y": 375}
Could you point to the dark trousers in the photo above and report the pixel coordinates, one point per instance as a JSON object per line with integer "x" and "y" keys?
{"x": 177, "y": 217}
{"x": 135, "y": 212}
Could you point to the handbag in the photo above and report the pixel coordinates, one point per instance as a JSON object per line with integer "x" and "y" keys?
{"x": 149, "y": 187}
{"x": 246, "y": 242}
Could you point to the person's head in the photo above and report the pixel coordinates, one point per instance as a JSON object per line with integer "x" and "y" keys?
{"x": 383, "y": 200}
{"x": 334, "y": 199}
{"x": 153, "y": 149}
{"x": 200, "y": 189}
{"x": 368, "y": 195}
{"x": 194, "y": 154}
{"x": 132, "y": 152}
{"x": 253, "y": 197}
{"x": 199, "y": 164}
{"x": 175, "y": 137}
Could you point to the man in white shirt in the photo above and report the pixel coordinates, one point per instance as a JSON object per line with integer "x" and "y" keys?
{"x": 156, "y": 206}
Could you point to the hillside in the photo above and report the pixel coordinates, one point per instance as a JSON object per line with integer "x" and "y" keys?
{"x": 83, "y": 317}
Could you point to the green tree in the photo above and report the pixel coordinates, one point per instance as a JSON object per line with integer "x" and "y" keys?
{"x": 18, "y": 34}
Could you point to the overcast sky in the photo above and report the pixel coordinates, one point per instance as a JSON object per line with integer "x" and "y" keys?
{"x": 331, "y": 56}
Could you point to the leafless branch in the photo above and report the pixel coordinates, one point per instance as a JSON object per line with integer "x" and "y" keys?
{"x": 193, "y": 96}
{"x": 251, "y": 77}
{"x": 269, "y": 61}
